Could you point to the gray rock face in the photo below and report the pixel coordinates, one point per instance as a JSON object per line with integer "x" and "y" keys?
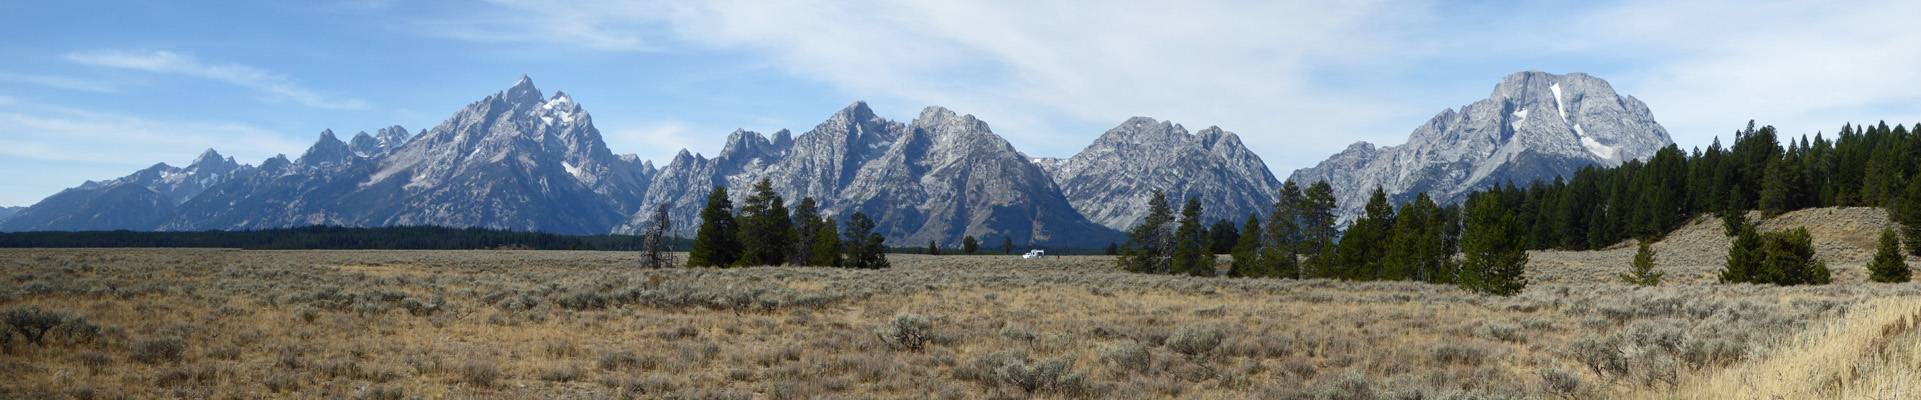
{"x": 1112, "y": 180}
{"x": 511, "y": 161}
{"x": 131, "y": 202}
{"x": 941, "y": 178}
{"x": 1535, "y": 125}
{"x": 6, "y": 212}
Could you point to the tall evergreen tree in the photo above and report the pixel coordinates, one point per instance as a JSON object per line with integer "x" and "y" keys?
{"x": 764, "y": 227}
{"x": 1641, "y": 272}
{"x": 1889, "y": 266}
{"x": 1007, "y": 245}
{"x": 1150, "y": 244}
{"x": 1316, "y": 213}
{"x": 806, "y": 225}
{"x": 826, "y": 251}
{"x": 1222, "y": 237}
{"x": 1745, "y": 256}
{"x": 1365, "y": 244}
{"x": 1247, "y": 251}
{"x": 1415, "y": 250}
{"x": 716, "y": 244}
{"x": 865, "y": 249}
{"x": 1280, "y": 246}
{"x": 1908, "y": 213}
{"x": 933, "y": 249}
{"x": 969, "y": 245}
{"x": 1191, "y": 255}
{"x": 1495, "y": 248}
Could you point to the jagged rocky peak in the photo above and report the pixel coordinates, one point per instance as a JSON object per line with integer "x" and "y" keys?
{"x": 275, "y": 165}
{"x": 328, "y": 150}
{"x": 523, "y": 92}
{"x": 210, "y": 158}
{"x": 394, "y": 136}
{"x": 1112, "y": 180}
{"x": 364, "y": 145}
{"x": 1533, "y": 125}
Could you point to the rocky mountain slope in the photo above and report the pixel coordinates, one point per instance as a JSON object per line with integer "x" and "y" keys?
{"x": 1534, "y": 125}
{"x": 523, "y": 161}
{"x": 131, "y": 202}
{"x": 513, "y": 160}
{"x": 1112, "y": 180}
{"x": 940, "y": 178}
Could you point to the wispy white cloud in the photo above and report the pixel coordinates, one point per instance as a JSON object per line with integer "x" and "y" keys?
{"x": 60, "y": 82}
{"x": 656, "y": 141}
{"x": 598, "y": 25}
{"x": 56, "y": 134}
{"x": 1298, "y": 80}
{"x": 166, "y": 62}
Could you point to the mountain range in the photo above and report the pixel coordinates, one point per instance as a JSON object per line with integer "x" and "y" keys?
{"x": 1534, "y": 126}
{"x": 521, "y": 160}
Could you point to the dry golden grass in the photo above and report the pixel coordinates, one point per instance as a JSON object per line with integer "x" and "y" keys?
{"x": 364, "y": 324}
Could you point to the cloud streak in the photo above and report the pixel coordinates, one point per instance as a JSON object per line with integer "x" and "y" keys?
{"x": 1298, "y": 81}
{"x": 166, "y": 62}
{"x": 58, "y": 82}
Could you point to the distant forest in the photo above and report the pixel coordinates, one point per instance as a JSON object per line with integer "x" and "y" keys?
{"x": 1863, "y": 166}
{"x": 335, "y": 238}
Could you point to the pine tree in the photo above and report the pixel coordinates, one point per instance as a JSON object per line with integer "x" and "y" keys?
{"x": 1247, "y": 251}
{"x": 1745, "y": 256}
{"x": 1007, "y": 245}
{"x": 1777, "y": 189}
{"x": 1280, "y": 246}
{"x": 1191, "y": 255}
{"x": 826, "y": 251}
{"x": 764, "y": 226}
{"x": 1736, "y": 214}
{"x": 1365, "y": 244}
{"x": 1150, "y": 243}
{"x": 969, "y": 245}
{"x": 1222, "y": 237}
{"x": 932, "y": 248}
{"x": 806, "y": 226}
{"x": 1415, "y": 242}
{"x": 1642, "y": 272}
{"x": 715, "y": 244}
{"x": 653, "y": 248}
{"x": 1317, "y": 231}
{"x": 1889, "y": 266}
{"x": 1908, "y": 213}
{"x": 1790, "y": 259}
{"x": 865, "y": 249}
{"x": 1495, "y": 248}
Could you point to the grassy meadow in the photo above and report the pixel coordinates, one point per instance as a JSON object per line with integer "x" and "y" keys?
{"x": 213, "y": 323}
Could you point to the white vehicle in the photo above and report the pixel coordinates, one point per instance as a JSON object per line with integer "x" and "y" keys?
{"x": 1035, "y": 253}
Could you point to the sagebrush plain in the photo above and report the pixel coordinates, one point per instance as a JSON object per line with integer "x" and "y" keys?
{"x": 215, "y": 323}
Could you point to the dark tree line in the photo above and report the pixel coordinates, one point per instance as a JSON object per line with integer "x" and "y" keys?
{"x": 764, "y": 232}
{"x": 1300, "y": 240}
{"x": 1873, "y": 166}
{"x": 1863, "y": 166}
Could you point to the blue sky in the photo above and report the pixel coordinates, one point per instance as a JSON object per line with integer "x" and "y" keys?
{"x": 96, "y": 90}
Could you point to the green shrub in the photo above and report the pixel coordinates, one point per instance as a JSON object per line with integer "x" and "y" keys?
{"x": 1196, "y": 341}
{"x": 32, "y": 322}
{"x": 907, "y": 331}
{"x": 155, "y": 351}
{"x": 1129, "y": 356}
